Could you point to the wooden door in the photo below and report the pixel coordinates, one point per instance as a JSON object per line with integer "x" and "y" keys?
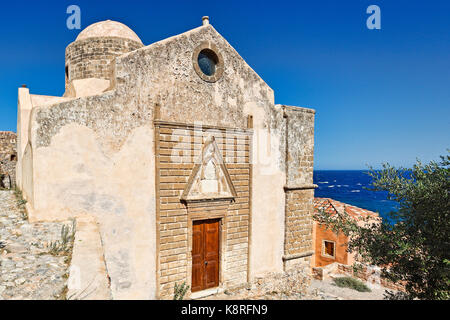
{"x": 205, "y": 254}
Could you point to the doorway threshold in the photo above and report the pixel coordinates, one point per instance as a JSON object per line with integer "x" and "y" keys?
{"x": 205, "y": 293}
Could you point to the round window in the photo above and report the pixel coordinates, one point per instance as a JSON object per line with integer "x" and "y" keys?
{"x": 207, "y": 61}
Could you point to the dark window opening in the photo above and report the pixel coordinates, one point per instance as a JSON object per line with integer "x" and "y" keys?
{"x": 67, "y": 72}
{"x": 207, "y": 61}
{"x": 329, "y": 248}
{"x": 13, "y": 157}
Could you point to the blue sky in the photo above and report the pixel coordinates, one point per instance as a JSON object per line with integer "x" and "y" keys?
{"x": 380, "y": 95}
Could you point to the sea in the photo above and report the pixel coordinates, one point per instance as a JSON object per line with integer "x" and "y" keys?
{"x": 348, "y": 186}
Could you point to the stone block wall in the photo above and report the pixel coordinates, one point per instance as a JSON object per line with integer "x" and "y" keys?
{"x": 298, "y": 244}
{"x": 8, "y": 159}
{"x": 7, "y": 145}
{"x": 91, "y": 58}
{"x": 322, "y": 273}
{"x": 174, "y": 218}
{"x": 299, "y": 188}
{"x": 300, "y": 146}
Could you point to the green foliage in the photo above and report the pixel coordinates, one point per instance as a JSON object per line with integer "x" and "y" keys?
{"x": 21, "y": 203}
{"x": 357, "y": 267}
{"x": 352, "y": 283}
{"x": 63, "y": 246}
{"x": 414, "y": 248}
{"x": 179, "y": 291}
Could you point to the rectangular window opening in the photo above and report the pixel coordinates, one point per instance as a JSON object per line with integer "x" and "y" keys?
{"x": 329, "y": 249}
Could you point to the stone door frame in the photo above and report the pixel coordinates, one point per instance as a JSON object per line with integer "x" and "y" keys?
{"x": 207, "y": 215}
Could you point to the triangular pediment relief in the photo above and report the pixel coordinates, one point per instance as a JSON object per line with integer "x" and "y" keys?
{"x": 209, "y": 179}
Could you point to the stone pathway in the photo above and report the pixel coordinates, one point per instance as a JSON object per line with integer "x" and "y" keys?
{"x": 27, "y": 269}
{"x": 317, "y": 290}
{"x": 273, "y": 286}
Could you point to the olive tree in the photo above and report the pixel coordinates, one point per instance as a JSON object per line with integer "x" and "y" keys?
{"x": 412, "y": 246}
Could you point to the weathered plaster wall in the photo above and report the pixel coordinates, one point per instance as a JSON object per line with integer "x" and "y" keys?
{"x": 163, "y": 73}
{"x": 24, "y": 106}
{"x": 340, "y": 240}
{"x": 87, "y": 87}
{"x": 268, "y": 198}
{"x": 41, "y": 100}
{"x": 88, "y": 279}
{"x": 27, "y": 181}
{"x": 76, "y": 175}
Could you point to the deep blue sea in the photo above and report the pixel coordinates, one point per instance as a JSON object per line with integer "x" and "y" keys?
{"x": 348, "y": 186}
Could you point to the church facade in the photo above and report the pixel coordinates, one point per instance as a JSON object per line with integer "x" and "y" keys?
{"x": 179, "y": 153}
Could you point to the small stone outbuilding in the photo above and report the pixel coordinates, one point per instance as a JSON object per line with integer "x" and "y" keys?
{"x": 179, "y": 153}
{"x": 331, "y": 247}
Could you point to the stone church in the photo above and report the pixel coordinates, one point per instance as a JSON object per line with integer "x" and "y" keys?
{"x": 179, "y": 154}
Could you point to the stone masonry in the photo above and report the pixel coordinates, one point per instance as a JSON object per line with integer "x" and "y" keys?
{"x": 299, "y": 188}
{"x": 8, "y": 159}
{"x": 91, "y": 58}
{"x": 298, "y": 242}
{"x": 175, "y": 218}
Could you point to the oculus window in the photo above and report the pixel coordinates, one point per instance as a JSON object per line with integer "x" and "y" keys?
{"x": 208, "y": 62}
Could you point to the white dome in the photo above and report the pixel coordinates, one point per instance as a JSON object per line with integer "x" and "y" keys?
{"x": 108, "y": 28}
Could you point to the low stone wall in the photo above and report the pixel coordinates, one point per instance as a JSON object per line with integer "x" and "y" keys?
{"x": 289, "y": 282}
{"x": 8, "y": 159}
{"x": 8, "y": 174}
{"x": 292, "y": 284}
{"x": 321, "y": 273}
{"x": 7, "y": 144}
{"x": 369, "y": 274}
